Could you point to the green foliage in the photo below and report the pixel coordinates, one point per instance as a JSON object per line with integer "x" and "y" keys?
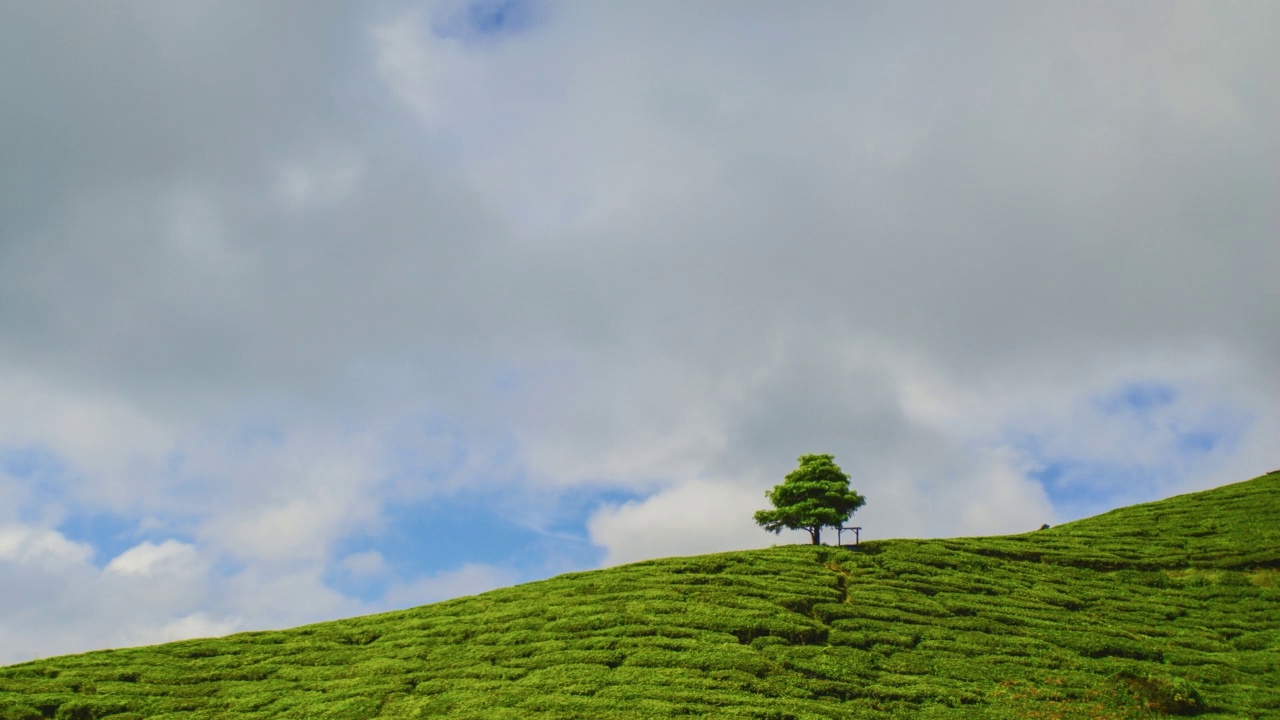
{"x": 1133, "y": 614}
{"x": 13, "y": 710}
{"x": 813, "y": 496}
{"x": 1167, "y": 695}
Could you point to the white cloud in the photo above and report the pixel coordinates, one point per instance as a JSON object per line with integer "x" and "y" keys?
{"x": 267, "y": 596}
{"x": 424, "y": 71}
{"x": 300, "y": 527}
{"x": 1000, "y": 499}
{"x": 195, "y": 625}
{"x": 365, "y": 564}
{"x": 169, "y": 557}
{"x": 290, "y": 500}
{"x": 56, "y": 601}
{"x": 469, "y": 579}
{"x": 689, "y": 519}
{"x": 41, "y": 547}
{"x": 320, "y": 181}
{"x": 103, "y": 439}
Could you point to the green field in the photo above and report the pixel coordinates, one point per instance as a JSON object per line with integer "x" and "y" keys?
{"x": 1165, "y": 608}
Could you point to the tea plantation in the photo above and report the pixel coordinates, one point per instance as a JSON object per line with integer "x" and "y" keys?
{"x": 1166, "y": 608}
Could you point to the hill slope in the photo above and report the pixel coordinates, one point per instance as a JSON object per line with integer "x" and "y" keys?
{"x": 1166, "y": 607}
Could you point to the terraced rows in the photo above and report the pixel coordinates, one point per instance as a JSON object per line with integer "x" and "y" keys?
{"x": 1159, "y": 608}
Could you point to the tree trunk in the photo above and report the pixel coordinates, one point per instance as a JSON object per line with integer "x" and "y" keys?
{"x": 815, "y": 532}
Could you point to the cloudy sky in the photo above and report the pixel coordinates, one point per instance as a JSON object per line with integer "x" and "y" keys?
{"x": 317, "y": 309}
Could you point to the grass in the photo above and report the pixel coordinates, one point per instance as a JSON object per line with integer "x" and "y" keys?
{"x": 1166, "y": 608}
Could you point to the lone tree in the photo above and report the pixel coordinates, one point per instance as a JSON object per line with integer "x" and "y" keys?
{"x": 815, "y": 495}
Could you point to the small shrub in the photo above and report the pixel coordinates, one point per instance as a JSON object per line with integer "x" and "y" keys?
{"x": 1168, "y": 695}
{"x": 1252, "y": 641}
{"x": 1099, "y": 646}
{"x": 868, "y": 640}
{"x": 19, "y": 712}
{"x": 767, "y": 640}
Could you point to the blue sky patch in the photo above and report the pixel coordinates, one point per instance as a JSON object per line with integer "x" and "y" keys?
{"x": 40, "y": 472}
{"x": 442, "y": 534}
{"x": 1199, "y": 442}
{"x": 1079, "y": 487}
{"x": 1138, "y": 397}
{"x": 30, "y": 462}
{"x": 489, "y": 19}
{"x": 441, "y": 438}
{"x": 1188, "y": 437}
{"x": 575, "y": 508}
{"x": 109, "y": 534}
{"x": 258, "y": 433}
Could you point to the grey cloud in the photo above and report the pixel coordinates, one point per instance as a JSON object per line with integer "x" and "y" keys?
{"x": 1000, "y": 189}
{"x": 123, "y": 92}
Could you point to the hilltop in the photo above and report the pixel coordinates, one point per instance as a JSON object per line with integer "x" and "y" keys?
{"x": 1171, "y": 607}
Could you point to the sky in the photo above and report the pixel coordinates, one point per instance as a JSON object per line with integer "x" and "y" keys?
{"x": 318, "y": 309}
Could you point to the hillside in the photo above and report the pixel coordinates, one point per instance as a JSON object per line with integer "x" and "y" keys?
{"x": 1166, "y": 607}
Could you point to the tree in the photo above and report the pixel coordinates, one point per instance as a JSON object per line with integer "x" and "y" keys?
{"x": 813, "y": 496}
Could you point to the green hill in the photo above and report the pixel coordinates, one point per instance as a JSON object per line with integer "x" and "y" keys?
{"x": 1170, "y": 607}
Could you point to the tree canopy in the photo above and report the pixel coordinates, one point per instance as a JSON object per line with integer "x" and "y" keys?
{"x": 813, "y": 496}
